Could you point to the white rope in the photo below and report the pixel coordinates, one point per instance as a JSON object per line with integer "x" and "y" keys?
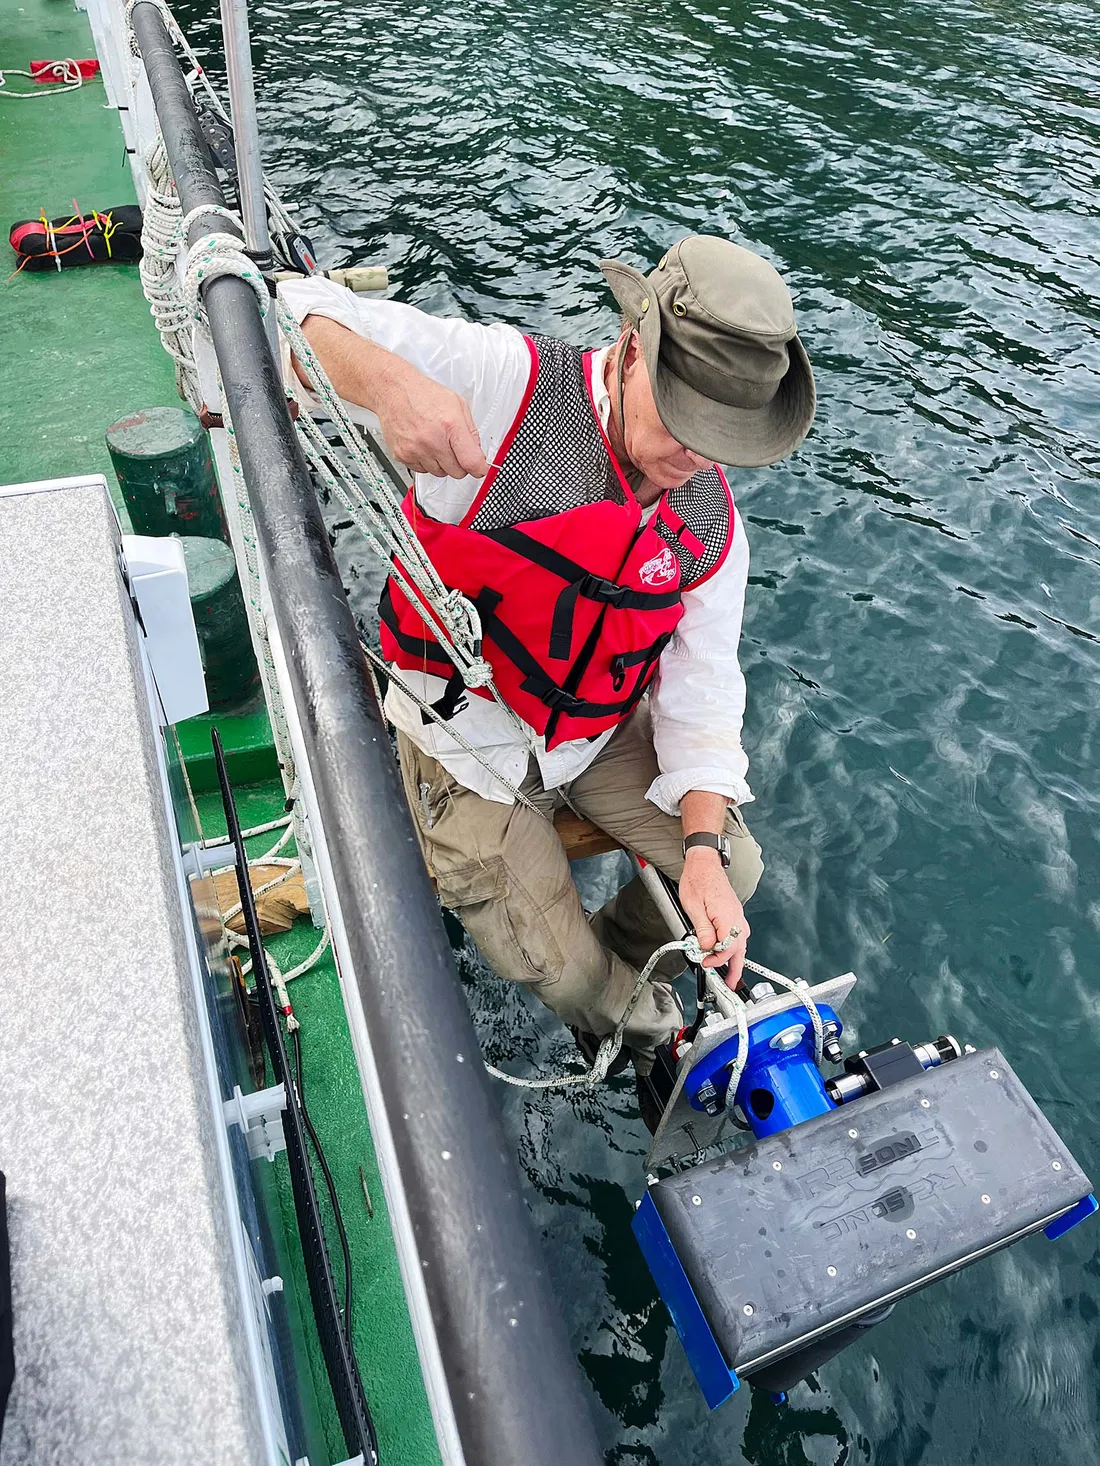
{"x": 374, "y": 660}
{"x": 611, "y": 1045}
{"x": 161, "y": 243}
{"x": 217, "y": 840}
{"x": 67, "y": 71}
{"x": 213, "y": 256}
{"x": 368, "y": 493}
{"x": 801, "y": 988}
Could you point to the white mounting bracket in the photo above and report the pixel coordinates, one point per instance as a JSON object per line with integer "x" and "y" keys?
{"x": 260, "y": 1117}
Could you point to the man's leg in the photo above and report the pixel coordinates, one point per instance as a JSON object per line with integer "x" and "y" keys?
{"x": 503, "y": 870}
{"x": 611, "y": 793}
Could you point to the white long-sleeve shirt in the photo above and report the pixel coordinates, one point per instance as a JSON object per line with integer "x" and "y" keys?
{"x": 698, "y": 694}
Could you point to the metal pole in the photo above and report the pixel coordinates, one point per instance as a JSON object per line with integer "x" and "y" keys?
{"x": 513, "y": 1382}
{"x": 246, "y": 135}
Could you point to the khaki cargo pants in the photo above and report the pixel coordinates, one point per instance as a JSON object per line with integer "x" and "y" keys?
{"x": 503, "y": 870}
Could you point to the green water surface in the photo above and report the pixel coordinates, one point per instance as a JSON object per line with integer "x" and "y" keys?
{"x": 921, "y": 636}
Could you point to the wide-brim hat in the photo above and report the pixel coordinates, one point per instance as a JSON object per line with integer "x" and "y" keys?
{"x": 731, "y": 379}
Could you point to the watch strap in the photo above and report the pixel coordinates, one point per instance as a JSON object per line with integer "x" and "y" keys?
{"x": 712, "y": 842}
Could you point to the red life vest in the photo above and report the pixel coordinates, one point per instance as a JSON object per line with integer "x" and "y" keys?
{"x": 577, "y": 597}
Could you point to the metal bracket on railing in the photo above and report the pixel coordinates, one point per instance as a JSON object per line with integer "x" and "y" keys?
{"x": 259, "y": 1116}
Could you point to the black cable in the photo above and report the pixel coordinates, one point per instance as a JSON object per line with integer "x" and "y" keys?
{"x": 340, "y": 1362}
{"x": 330, "y": 1184}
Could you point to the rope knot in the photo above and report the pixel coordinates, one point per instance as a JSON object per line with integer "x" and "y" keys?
{"x": 478, "y": 673}
{"x": 213, "y": 256}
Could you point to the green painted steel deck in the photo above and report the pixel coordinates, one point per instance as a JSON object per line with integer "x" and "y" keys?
{"x": 80, "y": 350}
{"x": 381, "y": 1329}
{"x": 79, "y": 353}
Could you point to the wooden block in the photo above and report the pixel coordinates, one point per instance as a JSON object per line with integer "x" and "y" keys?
{"x": 581, "y": 837}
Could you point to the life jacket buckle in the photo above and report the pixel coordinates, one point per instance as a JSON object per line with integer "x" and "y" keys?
{"x": 595, "y": 588}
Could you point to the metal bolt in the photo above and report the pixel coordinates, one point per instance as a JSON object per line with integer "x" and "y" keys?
{"x": 778, "y": 1166}
{"x": 994, "y": 1074}
{"x": 696, "y": 1201}
{"x": 926, "y": 1104}
{"x": 1056, "y": 1165}
{"x": 831, "y": 1271}
{"x": 854, "y": 1134}
{"x": 761, "y": 990}
{"x": 790, "y": 1038}
{"x": 911, "y": 1234}
{"x": 985, "y": 1200}
{"x": 969, "y": 1049}
{"x": 747, "y": 1310}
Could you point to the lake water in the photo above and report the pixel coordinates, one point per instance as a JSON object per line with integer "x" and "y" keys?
{"x": 921, "y": 639}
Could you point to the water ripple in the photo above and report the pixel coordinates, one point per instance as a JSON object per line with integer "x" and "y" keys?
{"x": 920, "y": 641}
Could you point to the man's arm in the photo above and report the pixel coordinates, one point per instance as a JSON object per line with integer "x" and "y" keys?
{"x": 698, "y": 706}
{"x": 428, "y": 427}
{"x": 706, "y": 894}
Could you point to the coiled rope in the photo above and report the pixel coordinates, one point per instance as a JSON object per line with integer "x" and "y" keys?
{"x": 66, "y": 72}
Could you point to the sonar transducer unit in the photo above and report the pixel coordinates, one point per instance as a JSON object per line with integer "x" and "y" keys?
{"x": 909, "y": 1164}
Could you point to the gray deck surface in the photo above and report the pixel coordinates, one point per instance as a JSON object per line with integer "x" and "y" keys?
{"x": 128, "y": 1347}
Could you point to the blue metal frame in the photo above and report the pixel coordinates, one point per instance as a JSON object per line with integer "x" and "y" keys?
{"x": 716, "y": 1379}
{"x": 1069, "y": 1219}
{"x": 790, "y": 1076}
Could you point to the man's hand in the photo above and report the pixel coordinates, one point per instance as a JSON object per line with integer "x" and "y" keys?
{"x": 426, "y": 427}
{"x": 708, "y": 899}
{"x": 429, "y": 427}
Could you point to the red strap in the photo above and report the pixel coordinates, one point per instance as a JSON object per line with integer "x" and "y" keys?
{"x": 495, "y": 467}
{"x": 689, "y": 541}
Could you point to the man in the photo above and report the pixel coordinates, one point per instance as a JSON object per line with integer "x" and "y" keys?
{"x": 575, "y": 498}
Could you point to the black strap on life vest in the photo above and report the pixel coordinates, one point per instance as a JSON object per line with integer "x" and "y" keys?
{"x": 430, "y": 651}
{"x": 538, "y": 682}
{"x": 579, "y": 582}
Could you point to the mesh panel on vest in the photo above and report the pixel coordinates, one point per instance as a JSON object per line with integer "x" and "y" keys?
{"x": 558, "y": 461}
{"x": 704, "y": 506}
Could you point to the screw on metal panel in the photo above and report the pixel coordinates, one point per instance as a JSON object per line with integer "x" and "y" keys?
{"x": 1056, "y": 1165}
{"x": 831, "y": 1271}
{"x": 985, "y": 1199}
{"x": 926, "y": 1104}
{"x": 994, "y": 1074}
{"x": 911, "y": 1234}
{"x": 747, "y": 1310}
{"x": 854, "y": 1134}
{"x": 777, "y": 1165}
{"x": 696, "y": 1201}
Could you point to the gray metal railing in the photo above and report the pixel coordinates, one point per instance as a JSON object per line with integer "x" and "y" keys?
{"x": 514, "y": 1386}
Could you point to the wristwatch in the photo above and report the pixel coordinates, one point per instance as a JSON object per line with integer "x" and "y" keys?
{"x": 721, "y": 843}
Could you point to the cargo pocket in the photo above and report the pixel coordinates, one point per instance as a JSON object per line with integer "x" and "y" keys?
{"x": 510, "y": 929}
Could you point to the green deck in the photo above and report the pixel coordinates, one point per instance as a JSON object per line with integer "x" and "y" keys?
{"x": 380, "y": 1325}
{"x": 80, "y": 351}
{"x": 79, "y": 348}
